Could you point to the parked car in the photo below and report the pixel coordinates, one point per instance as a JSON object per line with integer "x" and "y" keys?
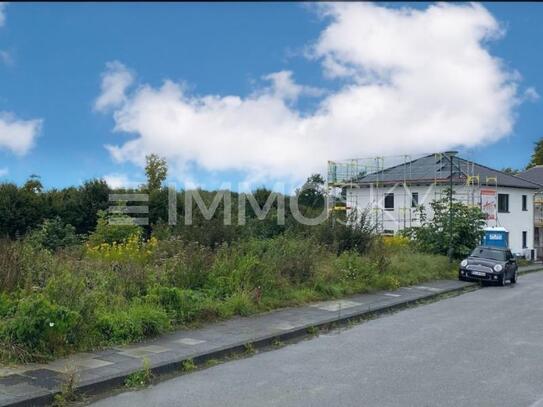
{"x": 491, "y": 264}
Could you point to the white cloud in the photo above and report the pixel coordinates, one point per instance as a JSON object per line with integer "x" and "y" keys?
{"x": 2, "y": 13}
{"x": 284, "y": 87}
{"x": 18, "y": 135}
{"x": 413, "y": 81}
{"x": 530, "y": 94}
{"x": 3, "y": 172}
{"x": 118, "y": 180}
{"x": 115, "y": 81}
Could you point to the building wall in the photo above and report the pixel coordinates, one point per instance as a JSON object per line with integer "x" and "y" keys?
{"x": 517, "y": 220}
{"x": 403, "y": 215}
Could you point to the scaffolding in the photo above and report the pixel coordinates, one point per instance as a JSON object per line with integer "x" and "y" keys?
{"x": 392, "y": 189}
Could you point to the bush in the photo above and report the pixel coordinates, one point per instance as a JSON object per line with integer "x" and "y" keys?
{"x": 189, "y": 265}
{"x": 433, "y": 236}
{"x": 140, "y": 321}
{"x": 115, "y": 229}
{"x": 181, "y": 305}
{"x": 53, "y": 234}
{"x": 42, "y": 328}
{"x": 132, "y": 249}
{"x": 352, "y": 267}
{"x": 24, "y": 266}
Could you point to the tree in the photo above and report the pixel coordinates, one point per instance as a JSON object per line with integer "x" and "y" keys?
{"x": 53, "y": 234}
{"x": 33, "y": 184}
{"x": 537, "y": 155}
{"x": 433, "y": 235}
{"x": 156, "y": 170}
{"x": 510, "y": 171}
{"x": 312, "y": 193}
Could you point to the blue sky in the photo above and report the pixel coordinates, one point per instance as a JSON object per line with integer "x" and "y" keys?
{"x": 56, "y": 56}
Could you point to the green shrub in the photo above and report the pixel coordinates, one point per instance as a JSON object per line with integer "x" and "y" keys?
{"x": 7, "y": 306}
{"x": 41, "y": 327}
{"x": 180, "y": 305}
{"x": 113, "y": 229}
{"x": 190, "y": 265}
{"x": 140, "y": 321}
{"x": 238, "y": 304}
{"x": 350, "y": 266}
{"x": 24, "y": 266}
{"x": 53, "y": 234}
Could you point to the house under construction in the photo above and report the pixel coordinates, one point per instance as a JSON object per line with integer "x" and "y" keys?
{"x": 391, "y": 190}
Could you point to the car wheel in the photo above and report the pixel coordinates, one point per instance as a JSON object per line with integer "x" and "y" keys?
{"x": 503, "y": 280}
{"x": 514, "y": 278}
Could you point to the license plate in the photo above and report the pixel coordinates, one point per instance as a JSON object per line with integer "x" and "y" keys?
{"x": 478, "y": 273}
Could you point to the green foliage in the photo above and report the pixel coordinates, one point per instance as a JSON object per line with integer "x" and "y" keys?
{"x": 434, "y": 236}
{"x": 108, "y": 231}
{"x": 311, "y": 194}
{"x": 142, "y": 377}
{"x": 181, "y": 305}
{"x": 126, "y": 283}
{"x": 20, "y": 210}
{"x": 188, "y": 366}
{"x": 39, "y": 325}
{"x": 138, "y": 322}
{"x": 24, "y": 266}
{"x": 53, "y": 234}
{"x": 537, "y": 155}
{"x": 510, "y": 171}
{"x": 156, "y": 170}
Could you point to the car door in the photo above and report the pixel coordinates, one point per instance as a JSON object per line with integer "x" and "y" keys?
{"x": 510, "y": 265}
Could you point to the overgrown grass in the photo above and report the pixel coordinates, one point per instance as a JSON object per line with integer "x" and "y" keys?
{"x": 116, "y": 293}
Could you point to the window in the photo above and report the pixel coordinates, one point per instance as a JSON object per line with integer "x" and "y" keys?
{"x": 389, "y": 201}
{"x": 524, "y": 202}
{"x": 503, "y": 202}
{"x": 524, "y": 240}
{"x": 489, "y": 253}
{"x": 414, "y": 199}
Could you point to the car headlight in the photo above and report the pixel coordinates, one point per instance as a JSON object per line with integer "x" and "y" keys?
{"x": 498, "y": 268}
{"x": 464, "y": 263}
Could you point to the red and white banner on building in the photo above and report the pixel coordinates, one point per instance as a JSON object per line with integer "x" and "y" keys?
{"x": 489, "y": 203}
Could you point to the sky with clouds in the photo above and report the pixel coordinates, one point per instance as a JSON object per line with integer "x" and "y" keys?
{"x": 261, "y": 92}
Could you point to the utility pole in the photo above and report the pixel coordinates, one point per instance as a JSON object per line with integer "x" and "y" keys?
{"x": 451, "y": 216}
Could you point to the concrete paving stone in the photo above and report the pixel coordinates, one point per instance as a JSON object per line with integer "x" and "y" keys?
{"x": 335, "y": 306}
{"x": 115, "y": 357}
{"x": 143, "y": 351}
{"x": 12, "y": 380}
{"x": 154, "y": 349}
{"x": 425, "y": 288}
{"x": 21, "y": 389}
{"x": 189, "y": 341}
{"x": 45, "y": 378}
{"x": 284, "y": 326}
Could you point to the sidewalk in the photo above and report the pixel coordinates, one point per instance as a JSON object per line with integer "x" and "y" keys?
{"x": 100, "y": 371}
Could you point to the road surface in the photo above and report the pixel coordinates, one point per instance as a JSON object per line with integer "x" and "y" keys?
{"x": 483, "y": 348}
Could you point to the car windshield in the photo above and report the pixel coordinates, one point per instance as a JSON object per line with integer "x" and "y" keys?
{"x": 487, "y": 253}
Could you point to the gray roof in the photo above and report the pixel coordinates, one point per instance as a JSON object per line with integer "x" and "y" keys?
{"x": 534, "y": 174}
{"x": 436, "y": 168}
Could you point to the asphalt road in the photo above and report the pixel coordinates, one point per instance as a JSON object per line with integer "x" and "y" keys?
{"x": 484, "y": 348}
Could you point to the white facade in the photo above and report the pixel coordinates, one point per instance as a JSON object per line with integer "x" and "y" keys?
{"x": 518, "y": 220}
